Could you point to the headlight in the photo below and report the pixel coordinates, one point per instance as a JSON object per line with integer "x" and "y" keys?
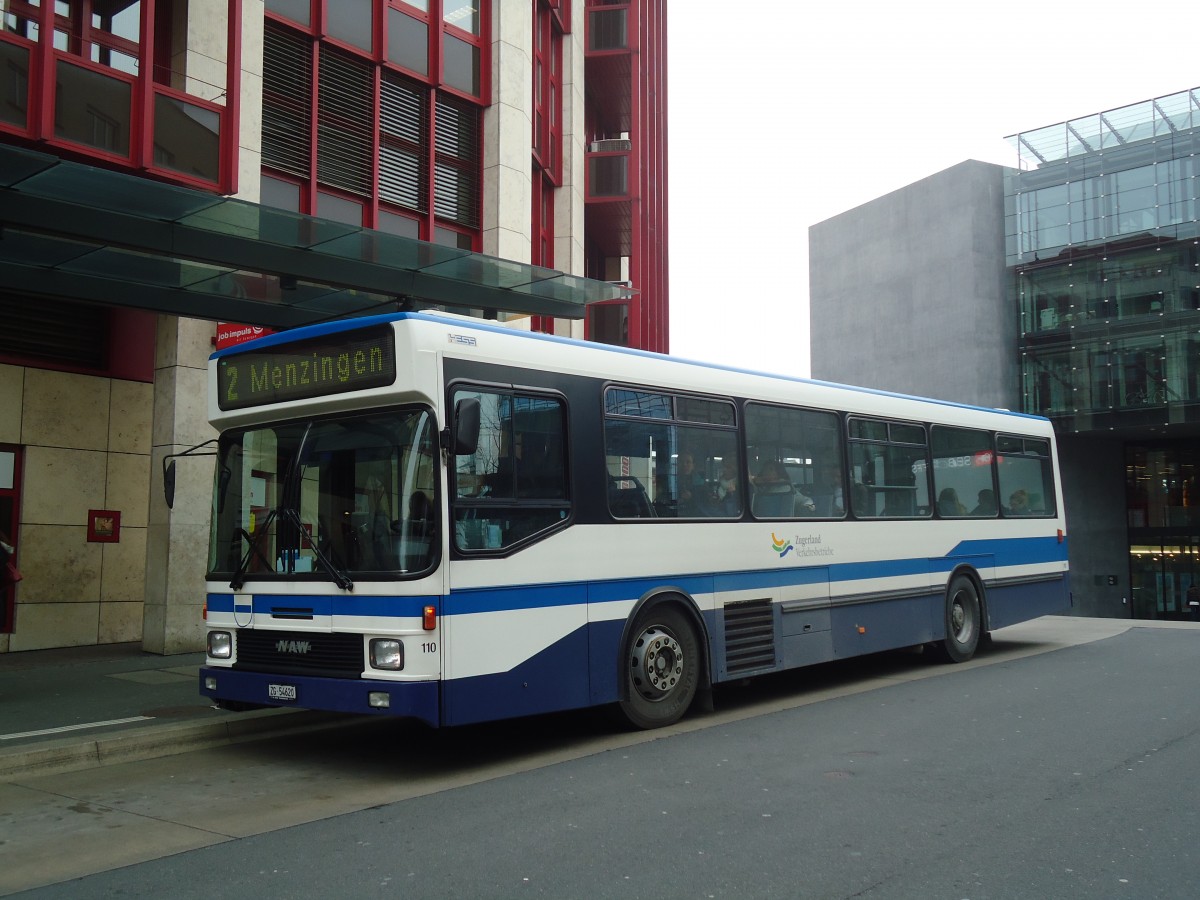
{"x": 220, "y": 644}
{"x": 387, "y": 653}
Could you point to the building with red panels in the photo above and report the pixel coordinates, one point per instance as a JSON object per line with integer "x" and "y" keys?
{"x": 626, "y": 219}
{"x": 168, "y": 165}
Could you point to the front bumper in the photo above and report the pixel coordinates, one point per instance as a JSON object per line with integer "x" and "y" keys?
{"x": 406, "y": 699}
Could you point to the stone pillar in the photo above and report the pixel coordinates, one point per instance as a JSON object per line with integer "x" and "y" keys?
{"x": 507, "y": 126}
{"x": 177, "y": 539}
{"x": 569, "y": 200}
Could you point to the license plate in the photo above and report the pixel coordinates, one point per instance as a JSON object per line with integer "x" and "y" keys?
{"x": 281, "y": 691}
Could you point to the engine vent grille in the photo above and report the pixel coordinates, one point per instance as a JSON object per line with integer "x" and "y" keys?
{"x": 749, "y": 636}
{"x": 300, "y": 653}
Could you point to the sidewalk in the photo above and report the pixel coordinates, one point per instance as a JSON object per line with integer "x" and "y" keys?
{"x": 79, "y": 707}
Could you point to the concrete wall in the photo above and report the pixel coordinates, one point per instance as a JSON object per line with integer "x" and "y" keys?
{"x": 1094, "y": 492}
{"x": 86, "y": 443}
{"x": 907, "y": 292}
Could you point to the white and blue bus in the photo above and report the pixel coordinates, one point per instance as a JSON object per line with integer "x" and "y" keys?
{"x": 437, "y": 517}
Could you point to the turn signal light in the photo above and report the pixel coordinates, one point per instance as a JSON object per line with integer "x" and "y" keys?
{"x": 429, "y": 618}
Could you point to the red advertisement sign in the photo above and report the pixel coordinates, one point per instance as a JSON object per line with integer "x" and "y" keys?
{"x": 230, "y": 334}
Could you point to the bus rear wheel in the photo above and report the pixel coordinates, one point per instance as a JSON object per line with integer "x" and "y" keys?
{"x": 964, "y": 621}
{"x": 661, "y": 663}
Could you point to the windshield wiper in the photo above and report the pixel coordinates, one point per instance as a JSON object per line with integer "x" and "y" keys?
{"x": 340, "y": 578}
{"x": 289, "y": 515}
{"x": 239, "y": 574}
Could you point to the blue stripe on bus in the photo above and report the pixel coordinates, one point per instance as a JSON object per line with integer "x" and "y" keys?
{"x": 1015, "y": 551}
{"x": 1003, "y": 553}
{"x": 323, "y": 605}
{"x": 533, "y": 596}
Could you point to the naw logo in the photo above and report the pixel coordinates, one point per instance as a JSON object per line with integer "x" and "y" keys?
{"x": 782, "y": 545}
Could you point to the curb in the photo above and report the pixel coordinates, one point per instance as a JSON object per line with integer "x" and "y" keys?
{"x": 153, "y": 741}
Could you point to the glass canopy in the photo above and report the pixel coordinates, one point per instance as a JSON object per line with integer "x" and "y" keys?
{"x": 84, "y": 233}
{"x": 1170, "y": 114}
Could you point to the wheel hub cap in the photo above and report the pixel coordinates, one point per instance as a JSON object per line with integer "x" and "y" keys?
{"x": 657, "y": 663}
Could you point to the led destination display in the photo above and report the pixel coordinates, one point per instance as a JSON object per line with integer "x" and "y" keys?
{"x": 330, "y": 364}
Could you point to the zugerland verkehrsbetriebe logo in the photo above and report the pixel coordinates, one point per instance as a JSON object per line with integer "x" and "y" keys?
{"x": 803, "y": 545}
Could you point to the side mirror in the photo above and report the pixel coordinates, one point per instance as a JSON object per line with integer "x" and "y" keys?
{"x": 169, "y": 484}
{"x": 464, "y": 434}
{"x": 168, "y": 465}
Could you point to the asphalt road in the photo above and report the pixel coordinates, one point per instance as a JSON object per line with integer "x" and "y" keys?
{"x": 1027, "y": 773}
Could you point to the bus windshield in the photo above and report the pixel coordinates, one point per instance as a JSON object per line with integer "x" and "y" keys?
{"x": 334, "y": 498}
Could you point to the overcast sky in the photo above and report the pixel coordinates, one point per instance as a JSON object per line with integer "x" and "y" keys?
{"x": 784, "y": 114}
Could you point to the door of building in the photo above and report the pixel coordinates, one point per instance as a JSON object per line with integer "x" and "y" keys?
{"x": 10, "y": 507}
{"x": 1161, "y": 573}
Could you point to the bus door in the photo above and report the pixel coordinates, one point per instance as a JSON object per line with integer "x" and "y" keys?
{"x": 514, "y": 631}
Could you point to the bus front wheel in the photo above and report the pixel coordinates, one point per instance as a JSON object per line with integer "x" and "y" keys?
{"x": 964, "y": 621}
{"x": 661, "y": 663}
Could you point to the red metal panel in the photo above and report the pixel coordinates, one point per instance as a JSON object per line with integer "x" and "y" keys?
{"x": 85, "y": 38}
{"x": 308, "y": 190}
{"x": 627, "y": 92}
{"x": 45, "y": 88}
{"x": 233, "y": 102}
{"x": 142, "y": 126}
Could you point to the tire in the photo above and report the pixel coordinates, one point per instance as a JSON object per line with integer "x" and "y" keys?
{"x": 963, "y": 619}
{"x": 239, "y": 705}
{"x": 660, "y": 665}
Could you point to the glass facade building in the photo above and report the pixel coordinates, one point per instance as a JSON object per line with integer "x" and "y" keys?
{"x": 1103, "y": 246}
{"x": 1102, "y": 232}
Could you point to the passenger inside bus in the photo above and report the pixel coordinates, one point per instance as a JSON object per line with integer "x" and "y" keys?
{"x": 774, "y": 495}
{"x": 827, "y": 491}
{"x": 986, "y": 505}
{"x": 948, "y": 503}
{"x": 1018, "y": 503}
{"x": 693, "y": 491}
{"x": 728, "y": 495}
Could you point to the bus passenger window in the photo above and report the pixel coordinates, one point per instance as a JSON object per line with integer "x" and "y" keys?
{"x": 1026, "y": 476}
{"x": 962, "y": 472}
{"x": 671, "y": 457}
{"x": 890, "y": 465}
{"x": 797, "y": 453}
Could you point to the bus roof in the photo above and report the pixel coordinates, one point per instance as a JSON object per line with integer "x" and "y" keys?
{"x": 459, "y": 321}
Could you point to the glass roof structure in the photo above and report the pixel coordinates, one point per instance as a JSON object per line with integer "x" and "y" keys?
{"x": 73, "y": 231}
{"x": 1170, "y": 114}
